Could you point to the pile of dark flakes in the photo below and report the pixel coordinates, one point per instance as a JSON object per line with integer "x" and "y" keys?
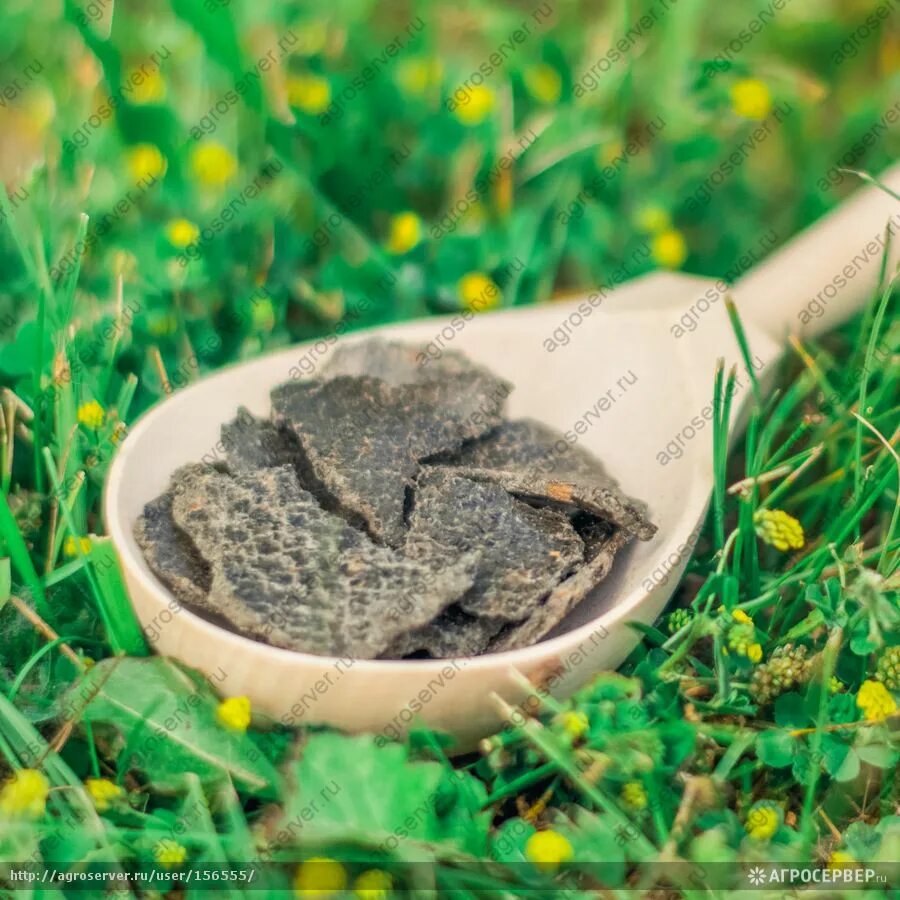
{"x": 388, "y": 510}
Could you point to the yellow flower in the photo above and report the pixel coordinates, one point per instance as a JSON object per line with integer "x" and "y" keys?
{"x": 574, "y": 723}
{"x": 740, "y": 616}
{"x": 213, "y": 164}
{"x": 762, "y": 822}
{"x": 875, "y": 700}
{"x": 476, "y": 106}
{"x": 548, "y": 850}
{"x": 40, "y": 107}
{"x": 162, "y": 324}
{"x": 262, "y": 313}
{"x": 373, "y": 884}
{"x": 841, "y": 859}
{"x": 103, "y": 792}
{"x": 634, "y": 795}
{"x": 889, "y": 54}
{"x": 776, "y": 527}
{"x": 669, "y": 248}
{"x": 234, "y": 713}
{"x": 418, "y": 76}
{"x": 406, "y": 232}
{"x": 319, "y": 876}
{"x": 610, "y": 152}
{"x": 754, "y": 653}
{"x": 310, "y": 93}
{"x": 145, "y": 162}
{"x": 25, "y": 794}
{"x": 182, "y": 233}
{"x": 70, "y": 547}
{"x": 146, "y": 87}
{"x": 479, "y": 292}
{"x": 543, "y": 83}
{"x": 751, "y": 98}
{"x": 653, "y": 219}
{"x": 91, "y": 415}
{"x": 169, "y": 853}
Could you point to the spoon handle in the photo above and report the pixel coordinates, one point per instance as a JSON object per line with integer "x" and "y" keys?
{"x": 829, "y": 271}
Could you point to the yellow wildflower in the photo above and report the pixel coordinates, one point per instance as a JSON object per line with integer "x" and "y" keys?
{"x": 162, "y": 324}
{"x": 543, "y": 82}
{"x": 262, "y": 313}
{"x": 418, "y": 76}
{"x": 373, "y": 884}
{"x": 653, "y": 219}
{"x": 762, "y": 822}
{"x": 319, "y": 876}
{"x": 740, "y": 616}
{"x": 406, "y": 232}
{"x": 610, "y": 152}
{"x": 634, "y": 795}
{"x": 309, "y": 93}
{"x": 91, "y": 415}
{"x": 145, "y": 162}
{"x": 669, "y": 248}
{"x": 146, "y": 87}
{"x": 39, "y": 105}
{"x": 574, "y": 723}
{"x": 754, "y": 653}
{"x": 213, "y": 164}
{"x": 182, "y": 233}
{"x": 479, "y": 292}
{"x": 889, "y": 54}
{"x": 103, "y": 792}
{"x": 876, "y": 701}
{"x": 751, "y": 98}
{"x": 70, "y": 547}
{"x": 169, "y": 853}
{"x": 25, "y": 794}
{"x": 476, "y": 106}
{"x": 234, "y": 713}
{"x": 841, "y": 859}
{"x": 776, "y": 527}
{"x": 548, "y": 850}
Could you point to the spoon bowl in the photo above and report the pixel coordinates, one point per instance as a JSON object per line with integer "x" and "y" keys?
{"x": 611, "y": 372}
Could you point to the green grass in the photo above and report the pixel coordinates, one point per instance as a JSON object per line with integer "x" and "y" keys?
{"x": 739, "y": 760}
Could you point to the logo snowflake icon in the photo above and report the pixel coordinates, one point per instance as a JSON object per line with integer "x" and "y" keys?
{"x": 757, "y": 875}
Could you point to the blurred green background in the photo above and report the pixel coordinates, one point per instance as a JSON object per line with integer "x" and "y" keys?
{"x": 548, "y": 147}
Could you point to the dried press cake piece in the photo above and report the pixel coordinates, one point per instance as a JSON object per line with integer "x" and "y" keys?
{"x": 252, "y": 443}
{"x": 288, "y": 572}
{"x": 536, "y": 463}
{"x": 605, "y": 502}
{"x": 398, "y": 363}
{"x": 523, "y": 552}
{"x": 565, "y": 597}
{"x": 527, "y": 443}
{"x": 454, "y": 633}
{"x": 362, "y": 438}
{"x": 171, "y": 554}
